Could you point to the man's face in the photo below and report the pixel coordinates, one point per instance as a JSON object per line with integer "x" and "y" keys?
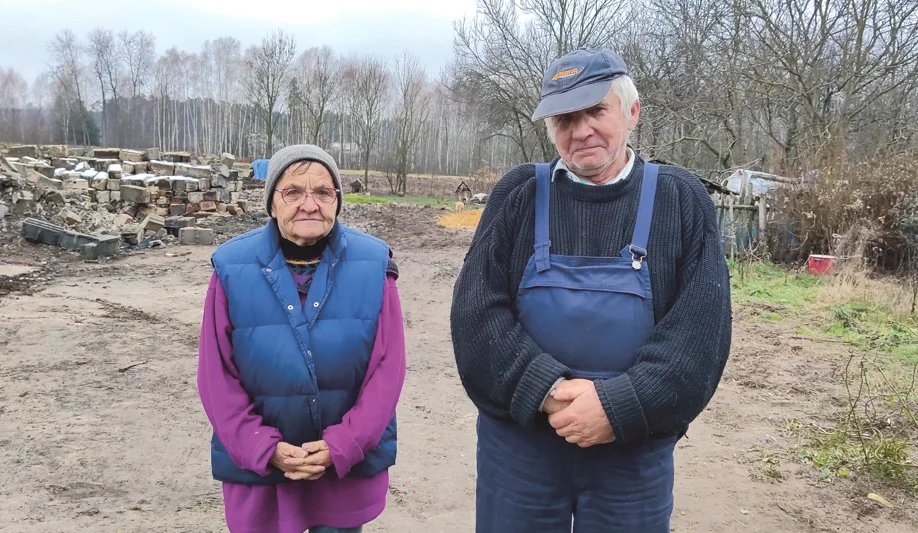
{"x": 591, "y": 140}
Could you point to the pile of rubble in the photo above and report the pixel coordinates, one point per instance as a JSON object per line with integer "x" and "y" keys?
{"x": 78, "y": 196}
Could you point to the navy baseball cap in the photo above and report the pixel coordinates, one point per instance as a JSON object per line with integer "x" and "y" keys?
{"x": 578, "y": 80}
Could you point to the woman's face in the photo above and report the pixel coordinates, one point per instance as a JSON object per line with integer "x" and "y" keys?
{"x": 305, "y": 203}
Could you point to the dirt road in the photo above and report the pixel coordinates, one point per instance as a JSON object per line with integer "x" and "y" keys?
{"x": 101, "y": 428}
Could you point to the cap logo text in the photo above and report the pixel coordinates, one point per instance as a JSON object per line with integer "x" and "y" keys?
{"x": 566, "y": 73}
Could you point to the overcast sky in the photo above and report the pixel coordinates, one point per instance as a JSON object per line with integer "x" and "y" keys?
{"x": 382, "y": 27}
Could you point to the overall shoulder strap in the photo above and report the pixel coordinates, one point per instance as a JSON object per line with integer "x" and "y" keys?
{"x": 542, "y": 239}
{"x": 645, "y": 208}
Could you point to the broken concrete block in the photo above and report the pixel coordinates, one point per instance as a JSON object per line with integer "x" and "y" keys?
{"x": 179, "y": 222}
{"x": 24, "y": 151}
{"x": 46, "y": 171}
{"x": 234, "y": 197}
{"x": 64, "y": 163}
{"x": 232, "y": 209}
{"x": 228, "y": 159}
{"x": 208, "y": 206}
{"x": 106, "y": 153}
{"x": 196, "y": 197}
{"x": 102, "y": 164}
{"x": 102, "y": 197}
{"x": 102, "y": 246}
{"x": 132, "y": 234}
{"x": 4, "y": 210}
{"x": 40, "y": 231}
{"x": 113, "y": 185}
{"x": 70, "y": 217}
{"x": 224, "y": 171}
{"x": 177, "y": 157}
{"x": 49, "y": 183}
{"x": 176, "y": 210}
{"x": 76, "y": 151}
{"x": 23, "y": 196}
{"x": 199, "y": 172}
{"x": 195, "y": 235}
{"x": 115, "y": 196}
{"x": 153, "y": 223}
{"x": 115, "y": 170}
{"x": 221, "y": 207}
{"x": 52, "y": 197}
{"x": 243, "y": 204}
{"x": 137, "y": 195}
{"x": 203, "y": 184}
{"x": 218, "y": 181}
{"x": 71, "y": 240}
{"x": 77, "y": 185}
{"x": 89, "y": 173}
{"x": 131, "y": 155}
{"x": 162, "y": 168}
{"x": 100, "y": 182}
{"x": 162, "y": 201}
{"x": 190, "y": 209}
{"x": 54, "y": 150}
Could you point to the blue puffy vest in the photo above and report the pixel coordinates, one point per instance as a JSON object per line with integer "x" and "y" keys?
{"x": 303, "y": 365}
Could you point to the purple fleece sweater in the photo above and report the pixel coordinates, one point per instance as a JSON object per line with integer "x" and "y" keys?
{"x": 295, "y": 506}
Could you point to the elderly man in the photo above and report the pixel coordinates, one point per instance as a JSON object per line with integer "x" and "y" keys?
{"x": 591, "y": 321}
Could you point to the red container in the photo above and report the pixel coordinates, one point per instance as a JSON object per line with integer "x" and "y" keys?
{"x": 821, "y": 264}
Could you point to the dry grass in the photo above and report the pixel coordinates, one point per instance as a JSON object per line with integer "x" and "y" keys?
{"x": 379, "y": 173}
{"x": 856, "y": 284}
{"x": 466, "y": 219}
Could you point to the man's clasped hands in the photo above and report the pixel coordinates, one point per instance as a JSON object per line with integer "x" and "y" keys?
{"x": 576, "y": 413}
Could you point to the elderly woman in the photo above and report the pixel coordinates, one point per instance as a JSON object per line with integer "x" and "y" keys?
{"x": 302, "y": 360}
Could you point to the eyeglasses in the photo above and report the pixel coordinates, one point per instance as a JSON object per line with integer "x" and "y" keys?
{"x": 295, "y": 195}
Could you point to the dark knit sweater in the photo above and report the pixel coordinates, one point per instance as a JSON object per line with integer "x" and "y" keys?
{"x": 677, "y": 370}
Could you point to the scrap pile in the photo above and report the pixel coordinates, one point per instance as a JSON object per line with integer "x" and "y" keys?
{"x": 92, "y": 200}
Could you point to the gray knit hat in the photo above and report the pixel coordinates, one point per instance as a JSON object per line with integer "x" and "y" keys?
{"x": 292, "y": 154}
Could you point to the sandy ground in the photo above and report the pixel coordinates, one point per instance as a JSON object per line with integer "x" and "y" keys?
{"x": 91, "y": 442}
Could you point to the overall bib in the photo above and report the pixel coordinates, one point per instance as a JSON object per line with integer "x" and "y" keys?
{"x": 591, "y": 314}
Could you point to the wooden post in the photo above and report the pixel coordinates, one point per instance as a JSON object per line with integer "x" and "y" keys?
{"x": 763, "y": 212}
{"x": 732, "y": 231}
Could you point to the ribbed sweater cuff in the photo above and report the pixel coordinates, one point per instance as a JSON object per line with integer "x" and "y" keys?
{"x": 538, "y": 379}
{"x": 623, "y": 409}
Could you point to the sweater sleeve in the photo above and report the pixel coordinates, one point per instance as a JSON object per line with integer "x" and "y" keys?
{"x": 248, "y": 440}
{"x": 364, "y": 424}
{"x": 503, "y": 370}
{"x": 688, "y": 348}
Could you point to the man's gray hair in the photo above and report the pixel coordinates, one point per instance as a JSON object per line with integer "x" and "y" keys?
{"x": 623, "y": 87}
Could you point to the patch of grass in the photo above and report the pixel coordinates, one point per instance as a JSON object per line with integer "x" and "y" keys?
{"x": 379, "y": 173}
{"x": 770, "y": 317}
{"x": 840, "y": 453}
{"x": 432, "y": 201}
{"x": 765, "y": 283}
{"x": 364, "y": 199}
{"x": 906, "y": 354}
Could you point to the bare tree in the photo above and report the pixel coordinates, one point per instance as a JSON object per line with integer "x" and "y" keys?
{"x": 267, "y": 69}
{"x": 368, "y": 96}
{"x": 410, "y": 115}
{"x": 320, "y": 85}
{"x": 103, "y": 54}
{"x": 500, "y": 58}
{"x": 13, "y": 89}
{"x": 138, "y": 52}
{"x": 68, "y": 68}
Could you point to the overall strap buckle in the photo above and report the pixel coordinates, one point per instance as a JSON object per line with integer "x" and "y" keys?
{"x": 637, "y": 256}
